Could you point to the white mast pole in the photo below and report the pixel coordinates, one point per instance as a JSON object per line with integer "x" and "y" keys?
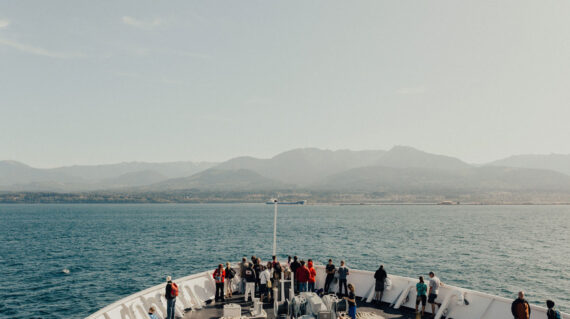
{"x": 275, "y": 227}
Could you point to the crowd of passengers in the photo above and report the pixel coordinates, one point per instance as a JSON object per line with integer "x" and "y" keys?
{"x": 257, "y": 279}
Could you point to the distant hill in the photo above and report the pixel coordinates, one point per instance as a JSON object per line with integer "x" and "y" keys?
{"x": 220, "y": 179}
{"x": 384, "y": 175}
{"x": 12, "y": 173}
{"x": 16, "y": 176}
{"x": 555, "y": 162}
{"x": 133, "y": 179}
{"x": 405, "y": 156}
{"x": 102, "y": 172}
{"x": 305, "y": 166}
{"x": 446, "y": 181}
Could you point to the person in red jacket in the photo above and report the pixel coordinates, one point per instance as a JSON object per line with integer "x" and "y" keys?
{"x": 312, "y": 275}
{"x": 302, "y": 274}
{"x": 219, "y": 276}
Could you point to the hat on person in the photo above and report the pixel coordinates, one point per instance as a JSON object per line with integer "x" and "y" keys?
{"x": 168, "y": 278}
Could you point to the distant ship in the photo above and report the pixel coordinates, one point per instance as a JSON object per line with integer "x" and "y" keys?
{"x": 300, "y": 202}
{"x": 448, "y": 202}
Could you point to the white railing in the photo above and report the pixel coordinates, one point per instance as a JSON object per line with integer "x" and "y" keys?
{"x": 195, "y": 290}
{"x": 402, "y": 293}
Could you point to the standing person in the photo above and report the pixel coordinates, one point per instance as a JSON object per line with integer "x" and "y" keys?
{"x": 380, "y": 276}
{"x": 421, "y": 292}
{"x": 249, "y": 276}
{"x": 520, "y": 307}
{"x": 258, "y": 268}
{"x": 302, "y": 275}
{"x": 330, "y": 270}
{"x": 230, "y": 274}
{"x": 170, "y": 294}
{"x": 242, "y": 266}
{"x": 277, "y": 270}
{"x": 219, "y": 276}
{"x": 270, "y": 283}
{"x": 434, "y": 284}
{"x": 351, "y": 298}
{"x": 552, "y": 313}
{"x": 289, "y": 262}
{"x": 312, "y": 276}
{"x": 264, "y": 278}
{"x": 343, "y": 273}
{"x": 294, "y": 266}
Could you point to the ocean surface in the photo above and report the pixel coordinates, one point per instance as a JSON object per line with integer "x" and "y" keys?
{"x": 112, "y": 251}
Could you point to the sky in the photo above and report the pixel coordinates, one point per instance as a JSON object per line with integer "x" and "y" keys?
{"x": 96, "y": 82}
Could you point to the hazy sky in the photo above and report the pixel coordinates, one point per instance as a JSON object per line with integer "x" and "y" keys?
{"x": 87, "y": 82}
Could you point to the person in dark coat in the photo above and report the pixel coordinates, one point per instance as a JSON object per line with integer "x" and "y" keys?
{"x": 330, "y": 270}
{"x": 249, "y": 276}
{"x": 520, "y": 307}
{"x": 552, "y": 313}
{"x": 380, "y": 275}
{"x": 230, "y": 275}
{"x": 294, "y": 265}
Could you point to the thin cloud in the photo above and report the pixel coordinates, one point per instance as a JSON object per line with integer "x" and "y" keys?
{"x": 145, "y": 51}
{"x": 411, "y": 90}
{"x": 37, "y": 50}
{"x": 140, "y": 24}
{"x": 4, "y": 23}
{"x": 151, "y": 79}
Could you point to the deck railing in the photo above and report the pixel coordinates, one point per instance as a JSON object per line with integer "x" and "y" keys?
{"x": 195, "y": 290}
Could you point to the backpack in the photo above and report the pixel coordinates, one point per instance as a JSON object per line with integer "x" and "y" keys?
{"x": 173, "y": 290}
{"x": 551, "y": 313}
{"x": 231, "y": 273}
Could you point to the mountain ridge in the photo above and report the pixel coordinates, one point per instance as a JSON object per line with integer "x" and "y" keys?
{"x": 555, "y": 162}
{"x": 401, "y": 169}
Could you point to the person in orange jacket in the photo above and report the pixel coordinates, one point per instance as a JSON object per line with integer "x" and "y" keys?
{"x": 520, "y": 307}
{"x": 219, "y": 276}
{"x": 312, "y": 275}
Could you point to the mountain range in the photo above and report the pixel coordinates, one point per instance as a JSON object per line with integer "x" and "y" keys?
{"x": 400, "y": 170}
{"x": 16, "y": 176}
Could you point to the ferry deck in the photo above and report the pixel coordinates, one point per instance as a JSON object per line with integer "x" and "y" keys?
{"x": 196, "y": 295}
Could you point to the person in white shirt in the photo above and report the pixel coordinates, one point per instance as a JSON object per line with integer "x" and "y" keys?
{"x": 434, "y": 284}
{"x": 264, "y": 279}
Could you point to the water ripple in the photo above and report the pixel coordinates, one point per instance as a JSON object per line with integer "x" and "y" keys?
{"x": 112, "y": 251}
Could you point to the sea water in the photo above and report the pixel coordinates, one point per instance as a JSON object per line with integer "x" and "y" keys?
{"x": 68, "y": 261}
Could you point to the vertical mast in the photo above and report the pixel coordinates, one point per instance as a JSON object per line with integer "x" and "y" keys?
{"x": 275, "y": 227}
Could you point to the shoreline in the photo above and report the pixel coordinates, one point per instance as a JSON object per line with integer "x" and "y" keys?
{"x": 259, "y": 203}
